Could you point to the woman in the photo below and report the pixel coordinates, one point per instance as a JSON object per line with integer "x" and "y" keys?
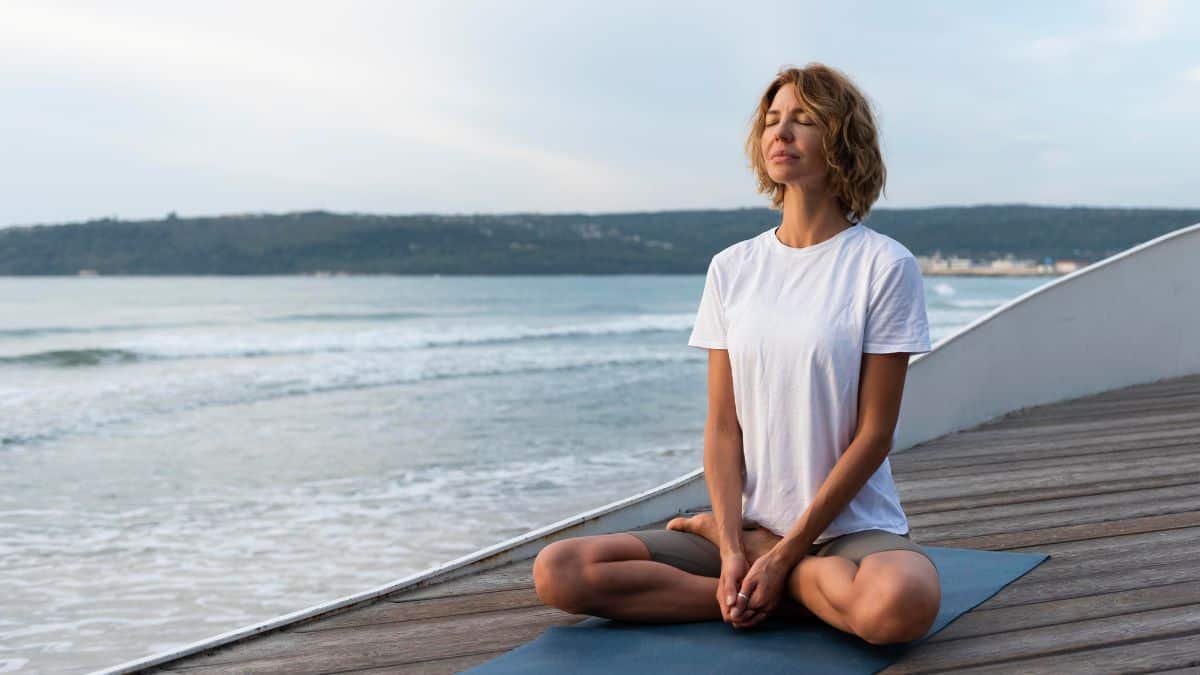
{"x": 808, "y": 327}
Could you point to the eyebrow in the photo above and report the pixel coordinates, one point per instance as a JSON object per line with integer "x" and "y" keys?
{"x": 777, "y": 112}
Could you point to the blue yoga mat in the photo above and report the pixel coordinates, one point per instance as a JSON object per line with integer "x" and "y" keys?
{"x": 598, "y": 645}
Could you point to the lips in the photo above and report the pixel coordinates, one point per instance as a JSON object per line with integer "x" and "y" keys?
{"x": 782, "y": 154}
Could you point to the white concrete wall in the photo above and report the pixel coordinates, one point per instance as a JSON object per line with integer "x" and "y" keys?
{"x": 1129, "y": 319}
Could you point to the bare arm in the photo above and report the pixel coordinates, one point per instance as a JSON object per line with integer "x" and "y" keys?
{"x": 880, "y": 389}
{"x": 724, "y": 462}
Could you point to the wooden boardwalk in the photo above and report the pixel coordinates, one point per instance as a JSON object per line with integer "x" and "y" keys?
{"x": 1108, "y": 485}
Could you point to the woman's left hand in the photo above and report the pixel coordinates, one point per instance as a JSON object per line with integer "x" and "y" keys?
{"x": 764, "y": 584}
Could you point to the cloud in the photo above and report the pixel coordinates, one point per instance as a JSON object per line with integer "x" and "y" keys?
{"x": 218, "y": 73}
{"x": 1126, "y": 23}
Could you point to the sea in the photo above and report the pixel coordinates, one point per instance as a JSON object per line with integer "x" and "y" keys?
{"x": 184, "y": 456}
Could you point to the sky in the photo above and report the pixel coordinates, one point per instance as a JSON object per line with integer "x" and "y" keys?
{"x": 136, "y": 109}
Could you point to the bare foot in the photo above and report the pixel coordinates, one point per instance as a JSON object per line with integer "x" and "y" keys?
{"x": 755, "y": 541}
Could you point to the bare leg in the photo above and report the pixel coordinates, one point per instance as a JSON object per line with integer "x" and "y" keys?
{"x": 612, "y": 576}
{"x": 825, "y": 585}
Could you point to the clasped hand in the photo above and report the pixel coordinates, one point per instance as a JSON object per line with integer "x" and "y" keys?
{"x": 761, "y": 584}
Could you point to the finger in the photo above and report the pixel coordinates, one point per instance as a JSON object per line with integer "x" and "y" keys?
{"x": 747, "y": 592}
{"x": 757, "y": 619}
{"x": 725, "y": 606}
{"x": 747, "y": 624}
{"x": 739, "y": 609}
{"x": 752, "y": 615}
{"x": 759, "y": 598}
{"x": 739, "y": 605}
{"x": 769, "y": 610}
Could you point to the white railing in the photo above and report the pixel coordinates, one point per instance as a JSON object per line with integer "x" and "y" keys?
{"x": 1129, "y": 319}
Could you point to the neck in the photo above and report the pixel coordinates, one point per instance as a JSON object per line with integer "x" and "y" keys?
{"x": 809, "y": 217}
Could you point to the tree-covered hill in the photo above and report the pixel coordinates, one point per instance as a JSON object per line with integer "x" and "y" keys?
{"x": 653, "y": 242}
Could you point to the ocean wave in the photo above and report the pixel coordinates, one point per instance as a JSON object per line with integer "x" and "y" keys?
{"x": 74, "y": 358}
{"x": 38, "y": 331}
{"x": 183, "y": 346}
{"x": 350, "y": 316}
{"x": 118, "y": 403}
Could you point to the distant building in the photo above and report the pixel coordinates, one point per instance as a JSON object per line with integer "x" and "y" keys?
{"x": 1006, "y": 266}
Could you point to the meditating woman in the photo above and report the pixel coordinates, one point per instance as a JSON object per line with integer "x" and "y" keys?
{"x": 809, "y": 327}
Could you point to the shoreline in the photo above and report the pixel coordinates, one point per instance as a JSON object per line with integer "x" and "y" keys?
{"x": 990, "y": 273}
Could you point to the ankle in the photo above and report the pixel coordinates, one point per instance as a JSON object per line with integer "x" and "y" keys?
{"x": 758, "y": 542}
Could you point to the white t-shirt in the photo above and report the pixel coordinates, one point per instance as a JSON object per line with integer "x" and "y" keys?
{"x": 796, "y": 322}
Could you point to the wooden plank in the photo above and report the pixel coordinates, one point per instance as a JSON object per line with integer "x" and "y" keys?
{"x": 987, "y": 621}
{"x": 1048, "y": 640}
{"x": 455, "y": 664}
{"x": 415, "y": 610}
{"x": 1034, "y": 590}
{"x": 1118, "y": 545}
{"x": 1051, "y": 458}
{"x": 1128, "y": 657}
{"x": 1066, "y": 517}
{"x": 1035, "y": 512}
{"x": 513, "y": 576}
{"x": 1027, "y": 478}
{"x": 1100, "y": 507}
{"x": 913, "y": 506}
{"x": 1037, "y": 586}
{"x": 906, "y": 463}
{"x": 1006, "y": 540}
{"x": 376, "y": 645}
{"x": 1085, "y": 563}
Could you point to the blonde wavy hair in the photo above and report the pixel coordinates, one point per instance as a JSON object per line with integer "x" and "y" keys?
{"x": 855, "y": 171}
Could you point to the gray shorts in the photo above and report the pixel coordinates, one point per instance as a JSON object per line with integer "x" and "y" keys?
{"x": 693, "y": 553}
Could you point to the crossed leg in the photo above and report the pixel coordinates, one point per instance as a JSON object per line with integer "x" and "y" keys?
{"x": 890, "y": 596}
{"x": 613, "y": 576}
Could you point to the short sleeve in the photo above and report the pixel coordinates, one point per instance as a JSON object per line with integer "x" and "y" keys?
{"x": 709, "y": 329}
{"x": 896, "y": 319}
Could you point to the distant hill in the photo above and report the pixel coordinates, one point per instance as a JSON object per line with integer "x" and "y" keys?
{"x": 653, "y": 242}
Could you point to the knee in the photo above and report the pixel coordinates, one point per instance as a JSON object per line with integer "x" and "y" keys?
{"x": 558, "y": 577}
{"x": 895, "y": 612}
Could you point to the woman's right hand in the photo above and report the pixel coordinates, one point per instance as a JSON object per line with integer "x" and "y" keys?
{"x": 733, "y": 569}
